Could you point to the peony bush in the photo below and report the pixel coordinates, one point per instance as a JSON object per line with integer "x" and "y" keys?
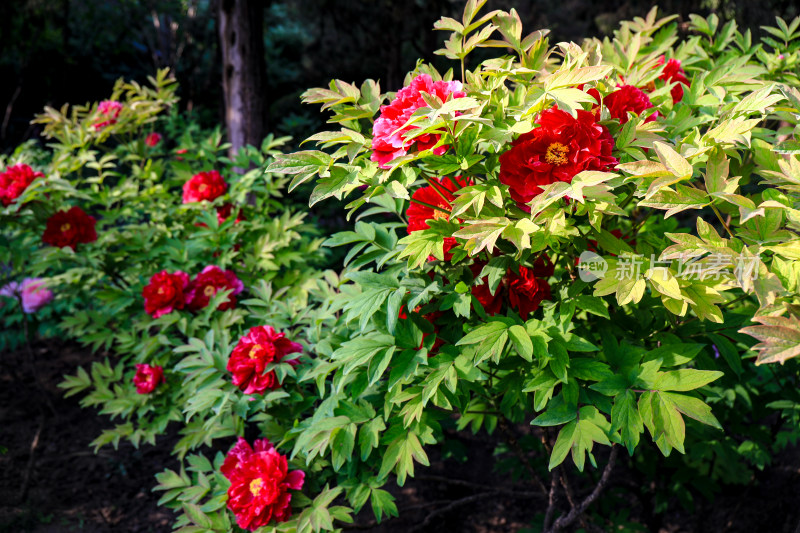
{"x": 587, "y": 252}
{"x": 576, "y": 249}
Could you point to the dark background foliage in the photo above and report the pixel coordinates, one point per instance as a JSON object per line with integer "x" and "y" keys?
{"x": 54, "y": 52}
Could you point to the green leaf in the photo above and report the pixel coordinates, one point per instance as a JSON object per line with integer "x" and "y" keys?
{"x": 521, "y": 341}
{"x": 625, "y": 418}
{"x": 693, "y": 408}
{"x": 685, "y": 379}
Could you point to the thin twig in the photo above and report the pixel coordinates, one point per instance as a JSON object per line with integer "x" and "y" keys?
{"x": 431, "y": 206}
{"x": 551, "y": 503}
{"x": 447, "y": 508}
{"x": 468, "y": 484}
{"x": 32, "y": 358}
{"x": 512, "y": 442}
{"x": 401, "y": 512}
{"x": 564, "y": 521}
{"x": 26, "y": 477}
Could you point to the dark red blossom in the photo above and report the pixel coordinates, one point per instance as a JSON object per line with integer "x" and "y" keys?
{"x": 165, "y": 293}
{"x": 526, "y": 292}
{"x": 260, "y": 347}
{"x": 147, "y": 378}
{"x": 206, "y": 284}
{"x": 440, "y": 194}
{"x": 389, "y": 134}
{"x": 204, "y": 186}
{"x": 152, "y": 139}
{"x": 224, "y": 212}
{"x": 260, "y": 484}
{"x": 431, "y": 318}
{"x": 626, "y": 98}
{"x": 561, "y": 147}
{"x": 69, "y": 228}
{"x": 14, "y": 181}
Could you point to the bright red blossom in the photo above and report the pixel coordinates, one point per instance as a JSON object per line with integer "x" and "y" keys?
{"x": 626, "y": 98}
{"x": 165, "y": 293}
{"x": 206, "y": 284}
{"x": 109, "y": 109}
{"x": 14, "y": 181}
{"x": 673, "y": 72}
{"x": 204, "y": 186}
{"x": 147, "y": 378}
{"x": 441, "y": 195}
{"x": 152, "y": 139}
{"x": 260, "y": 484}
{"x": 561, "y": 147}
{"x": 389, "y": 134}
{"x": 69, "y": 228}
{"x": 260, "y": 347}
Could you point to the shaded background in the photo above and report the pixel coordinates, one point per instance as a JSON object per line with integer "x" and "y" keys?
{"x": 54, "y": 52}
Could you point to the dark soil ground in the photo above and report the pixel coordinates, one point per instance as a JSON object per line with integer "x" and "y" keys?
{"x": 52, "y": 482}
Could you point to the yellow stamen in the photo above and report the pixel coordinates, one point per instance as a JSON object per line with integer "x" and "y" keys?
{"x": 202, "y": 187}
{"x": 556, "y": 154}
{"x": 209, "y": 291}
{"x": 65, "y": 227}
{"x": 256, "y": 485}
{"x": 254, "y": 351}
{"x": 440, "y": 214}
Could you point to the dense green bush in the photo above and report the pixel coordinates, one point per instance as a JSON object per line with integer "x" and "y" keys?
{"x": 678, "y": 179}
{"x": 581, "y": 241}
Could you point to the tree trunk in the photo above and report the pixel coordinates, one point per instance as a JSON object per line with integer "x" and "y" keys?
{"x": 241, "y": 33}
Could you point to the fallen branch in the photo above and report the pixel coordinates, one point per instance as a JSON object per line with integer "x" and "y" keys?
{"x": 568, "y": 519}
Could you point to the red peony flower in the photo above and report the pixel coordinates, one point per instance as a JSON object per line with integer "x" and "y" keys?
{"x": 206, "y": 284}
{"x": 492, "y": 303}
{"x": 626, "y": 98}
{"x": 441, "y": 195}
{"x": 165, "y": 293}
{"x": 109, "y": 109}
{"x": 147, "y": 378}
{"x": 260, "y": 484}
{"x": 152, "y": 139}
{"x": 560, "y": 148}
{"x": 69, "y": 228}
{"x": 204, "y": 186}
{"x": 14, "y": 181}
{"x": 388, "y": 131}
{"x": 673, "y": 72}
{"x": 261, "y": 346}
{"x": 526, "y": 291}
{"x": 224, "y": 212}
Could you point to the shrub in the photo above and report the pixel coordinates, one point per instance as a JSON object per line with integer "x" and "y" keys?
{"x": 606, "y": 230}
{"x": 159, "y": 252}
{"x": 573, "y": 249}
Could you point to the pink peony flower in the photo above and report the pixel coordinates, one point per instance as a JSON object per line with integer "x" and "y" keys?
{"x": 388, "y": 131}
{"x": 32, "y": 291}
